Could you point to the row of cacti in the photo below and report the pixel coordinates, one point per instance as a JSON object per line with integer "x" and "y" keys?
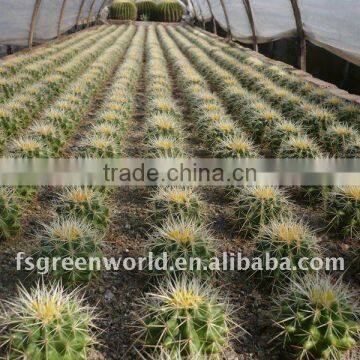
{"x": 253, "y": 107}
{"x": 345, "y": 111}
{"x": 167, "y": 10}
{"x": 322, "y": 124}
{"x": 25, "y": 107}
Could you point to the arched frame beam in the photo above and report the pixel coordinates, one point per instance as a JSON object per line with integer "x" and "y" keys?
{"x": 252, "y": 23}
{"x": 90, "y": 12}
{"x": 226, "y": 19}
{"x": 213, "y": 17}
{"x": 101, "y": 7}
{"x": 79, "y": 13}
{"x": 301, "y": 33}
{"x": 61, "y": 17}
{"x": 33, "y": 22}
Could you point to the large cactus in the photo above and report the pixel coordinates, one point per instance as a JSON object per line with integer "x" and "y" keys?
{"x": 185, "y": 319}
{"x": 146, "y": 10}
{"x": 123, "y": 10}
{"x": 48, "y": 323}
{"x": 170, "y": 11}
{"x": 318, "y": 318}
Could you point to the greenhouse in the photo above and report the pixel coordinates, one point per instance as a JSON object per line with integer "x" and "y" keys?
{"x": 179, "y": 179}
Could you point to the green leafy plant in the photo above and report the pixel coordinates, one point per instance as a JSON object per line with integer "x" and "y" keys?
{"x": 318, "y": 318}
{"x": 48, "y": 323}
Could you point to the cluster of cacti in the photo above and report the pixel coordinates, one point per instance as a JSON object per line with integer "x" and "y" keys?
{"x": 186, "y": 319}
{"x": 342, "y": 207}
{"x": 67, "y": 238}
{"x": 257, "y": 206}
{"x": 9, "y": 213}
{"x": 47, "y": 322}
{"x": 123, "y": 10}
{"x": 286, "y": 238}
{"x": 164, "y": 131}
{"x": 169, "y": 11}
{"x": 146, "y": 10}
{"x": 183, "y": 237}
{"x": 318, "y": 318}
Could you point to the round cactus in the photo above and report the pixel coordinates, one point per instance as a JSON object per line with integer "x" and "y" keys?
{"x": 286, "y": 238}
{"x": 299, "y": 147}
{"x": 343, "y": 209}
{"x": 336, "y": 138}
{"x": 163, "y": 125}
{"x": 352, "y": 150}
{"x": 100, "y": 146}
{"x": 316, "y": 120}
{"x": 166, "y": 147}
{"x": 73, "y": 239}
{"x": 123, "y": 10}
{"x": 256, "y": 206}
{"x": 318, "y": 318}
{"x": 146, "y": 10}
{"x": 178, "y": 202}
{"x": 27, "y": 147}
{"x": 183, "y": 317}
{"x": 48, "y": 323}
{"x": 84, "y": 203}
{"x": 183, "y": 238}
{"x": 170, "y": 11}
{"x": 9, "y": 214}
{"x": 236, "y": 146}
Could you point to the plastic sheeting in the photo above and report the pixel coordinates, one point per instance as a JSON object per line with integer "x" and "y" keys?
{"x": 332, "y": 24}
{"x": 16, "y": 15}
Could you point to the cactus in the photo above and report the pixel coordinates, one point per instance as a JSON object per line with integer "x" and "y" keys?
{"x": 178, "y": 202}
{"x": 146, "y": 8}
{"x": 342, "y": 208}
{"x": 256, "y": 206}
{"x": 100, "y": 146}
{"x": 170, "y": 11}
{"x": 316, "y": 120}
{"x": 84, "y": 203}
{"x": 286, "y": 238}
{"x": 236, "y": 146}
{"x": 299, "y": 147}
{"x": 350, "y": 113}
{"x": 317, "y": 318}
{"x": 186, "y": 318}
{"x": 336, "y": 138}
{"x": 166, "y": 146}
{"x": 182, "y": 237}
{"x": 27, "y": 147}
{"x": 73, "y": 239}
{"x": 282, "y": 131}
{"x": 163, "y": 125}
{"x": 48, "y": 134}
{"x": 48, "y": 323}
{"x": 9, "y": 213}
{"x": 123, "y": 10}
{"x": 352, "y": 150}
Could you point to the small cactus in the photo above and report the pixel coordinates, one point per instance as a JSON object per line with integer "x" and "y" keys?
{"x": 48, "y": 323}
{"x": 183, "y": 317}
{"x": 236, "y": 146}
{"x": 352, "y": 150}
{"x": 318, "y": 319}
{"x": 84, "y": 203}
{"x": 9, "y": 214}
{"x": 316, "y": 120}
{"x": 27, "y": 147}
{"x": 166, "y": 147}
{"x": 170, "y": 11}
{"x": 178, "y": 202}
{"x": 336, "y": 138}
{"x": 256, "y": 206}
{"x": 123, "y": 10}
{"x": 286, "y": 238}
{"x": 342, "y": 208}
{"x": 100, "y": 146}
{"x": 183, "y": 238}
{"x": 73, "y": 239}
{"x": 299, "y": 147}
